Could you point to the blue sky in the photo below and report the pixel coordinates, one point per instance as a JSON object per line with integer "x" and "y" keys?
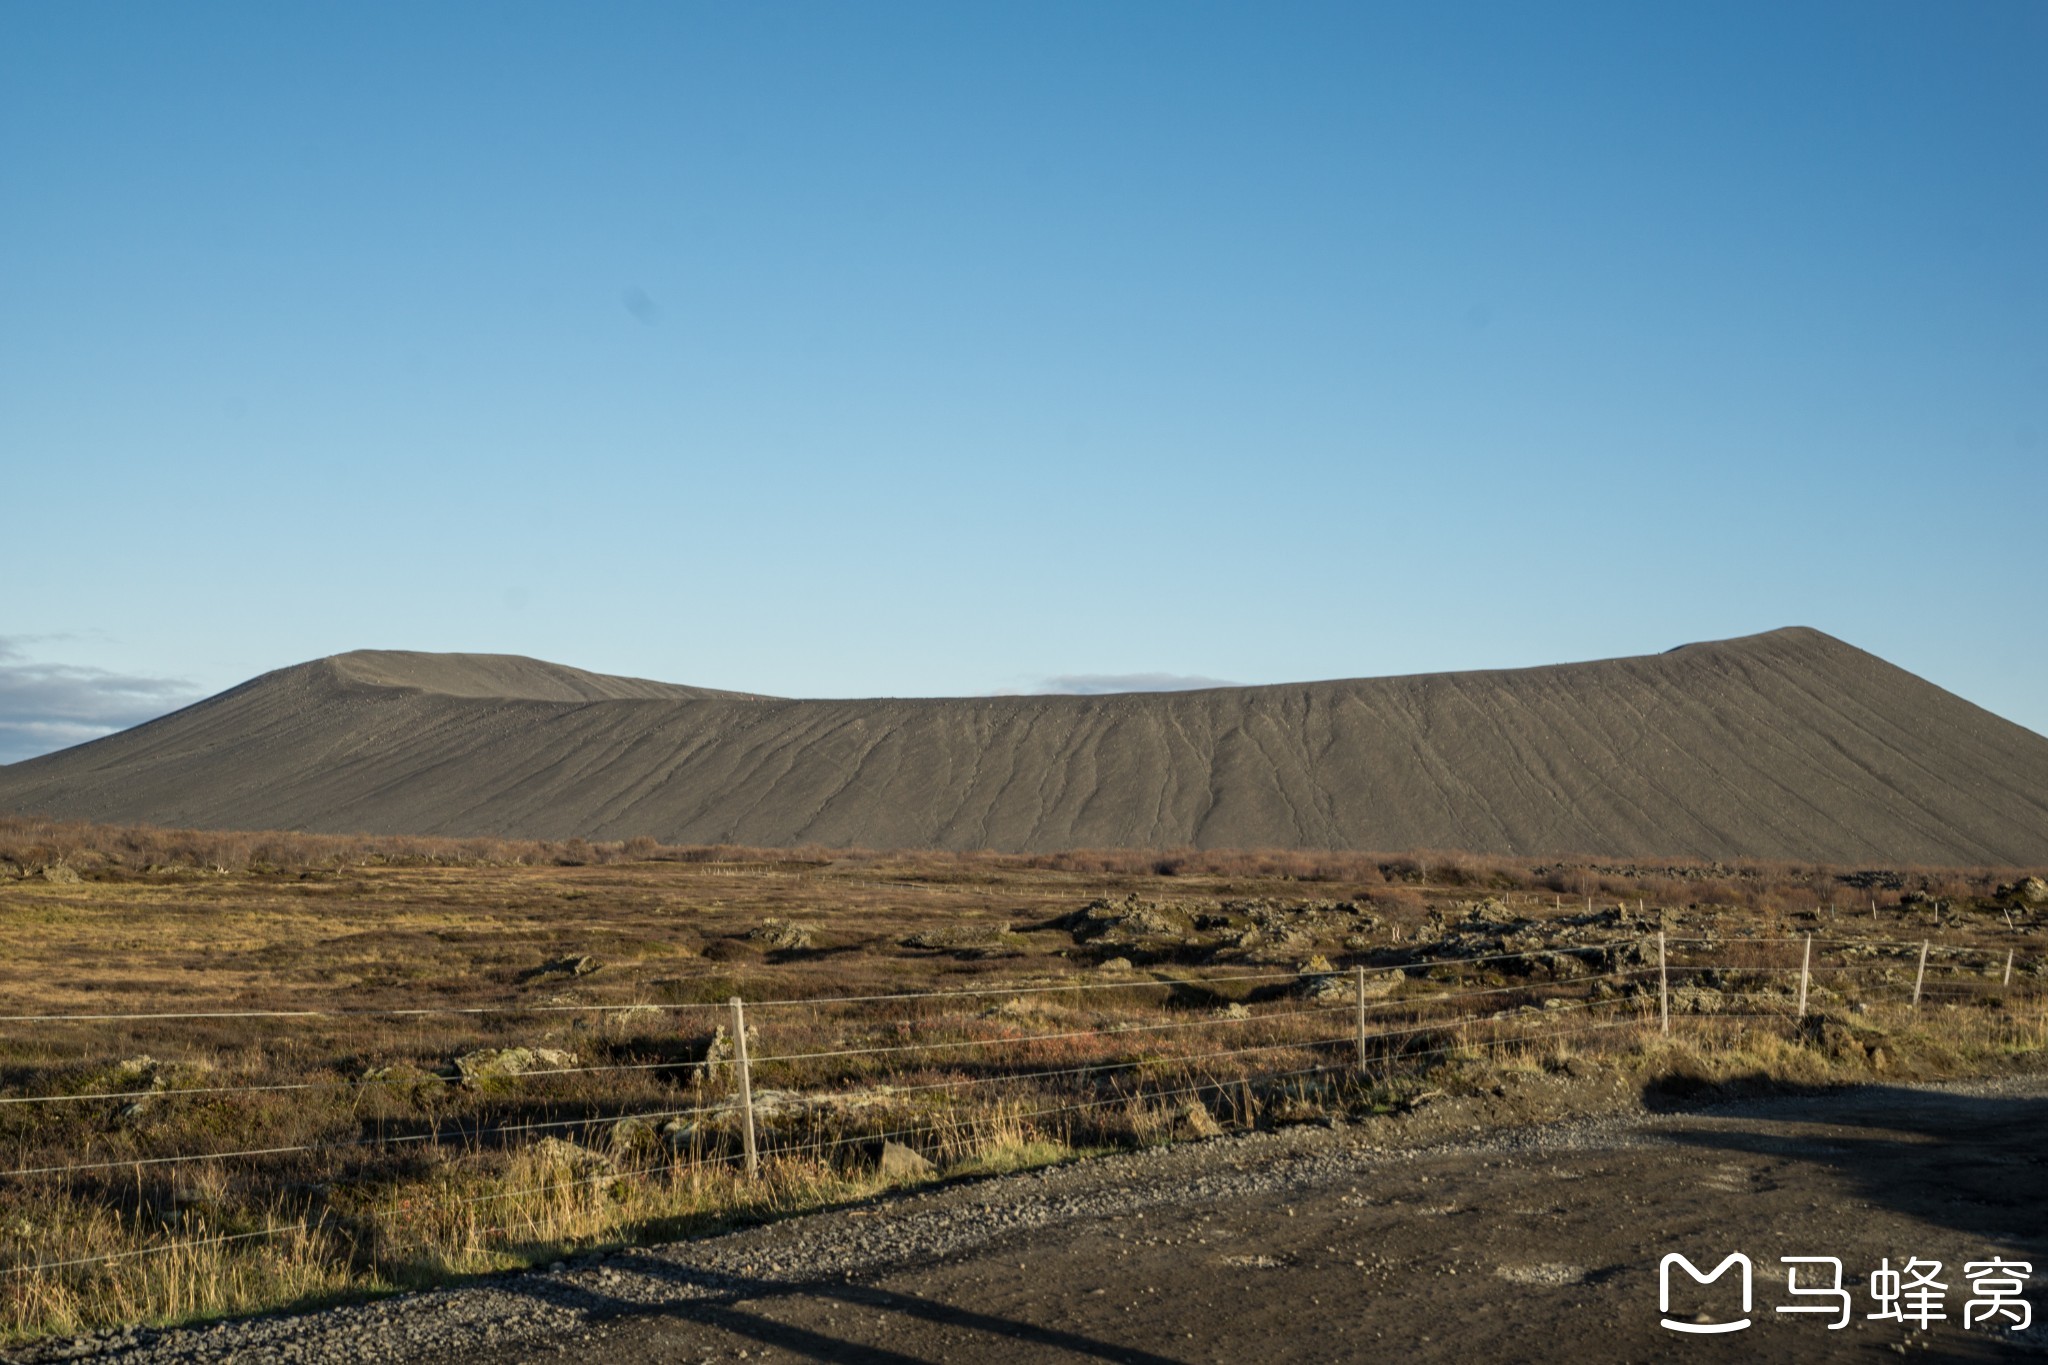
{"x": 827, "y": 349}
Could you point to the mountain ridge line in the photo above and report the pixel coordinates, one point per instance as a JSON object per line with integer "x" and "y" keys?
{"x": 1786, "y": 744}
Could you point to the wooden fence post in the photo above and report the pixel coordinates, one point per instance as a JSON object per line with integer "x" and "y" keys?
{"x": 1805, "y": 974}
{"x": 1358, "y": 981}
{"x": 739, "y": 1045}
{"x": 1920, "y": 976}
{"x": 1663, "y": 983}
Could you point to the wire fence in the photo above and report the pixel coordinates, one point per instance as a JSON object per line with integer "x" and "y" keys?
{"x": 841, "y": 1075}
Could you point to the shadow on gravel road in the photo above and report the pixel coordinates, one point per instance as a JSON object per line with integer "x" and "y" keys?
{"x": 719, "y": 1301}
{"x": 1972, "y": 1163}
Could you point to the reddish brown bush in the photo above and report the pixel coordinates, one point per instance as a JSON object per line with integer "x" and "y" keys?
{"x": 29, "y": 842}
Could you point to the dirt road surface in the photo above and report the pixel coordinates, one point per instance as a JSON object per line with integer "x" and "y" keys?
{"x": 1425, "y": 1238}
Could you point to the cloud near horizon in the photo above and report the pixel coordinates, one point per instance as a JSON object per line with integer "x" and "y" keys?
{"x": 48, "y": 706}
{"x": 1102, "y": 684}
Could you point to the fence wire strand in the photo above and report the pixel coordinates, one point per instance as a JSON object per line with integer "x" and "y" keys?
{"x": 810, "y": 1150}
{"x": 1958, "y": 979}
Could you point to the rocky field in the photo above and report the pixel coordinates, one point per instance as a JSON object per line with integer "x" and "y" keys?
{"x": 286, "y": 1083}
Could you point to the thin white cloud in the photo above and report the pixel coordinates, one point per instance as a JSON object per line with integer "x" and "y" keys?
{"x": 46, "y": 706}
{"x": 1102, "y": 684}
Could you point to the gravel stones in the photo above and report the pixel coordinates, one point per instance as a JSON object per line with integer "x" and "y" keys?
{"x": 1195, "y": 1121}
{"x": 898, "y": 1162}
{"x": 497, "y": 1063}
{"x": 782, "y": 934}
{"x": 572, "y": 966}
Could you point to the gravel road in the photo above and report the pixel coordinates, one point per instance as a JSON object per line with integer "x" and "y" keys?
{"x": 1439, "y": 1235}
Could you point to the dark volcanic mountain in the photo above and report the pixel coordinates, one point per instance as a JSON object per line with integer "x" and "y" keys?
{"x": 1790, "y": 744}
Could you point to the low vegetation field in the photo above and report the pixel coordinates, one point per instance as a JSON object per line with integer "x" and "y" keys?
{"x": 241, "y": 1072}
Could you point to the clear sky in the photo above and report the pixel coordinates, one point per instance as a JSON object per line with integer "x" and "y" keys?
{"x": 851, "y": 349}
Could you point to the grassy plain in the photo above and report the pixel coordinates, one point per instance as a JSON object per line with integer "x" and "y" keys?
{"x": 404, "y": 1061}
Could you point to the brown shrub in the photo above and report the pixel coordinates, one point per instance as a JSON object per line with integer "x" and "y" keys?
{"x": 31, "y": 842}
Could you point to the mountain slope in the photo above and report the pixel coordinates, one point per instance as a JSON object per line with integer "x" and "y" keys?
{"x": 1790, "y": 744}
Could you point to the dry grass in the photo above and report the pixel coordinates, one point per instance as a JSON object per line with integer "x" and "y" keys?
{"x": 402, "y": 1172}
{"x": 30, "y": 843}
